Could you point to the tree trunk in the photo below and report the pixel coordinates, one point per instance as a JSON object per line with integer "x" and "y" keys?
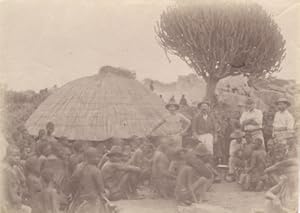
{"x": 211, "y": 85}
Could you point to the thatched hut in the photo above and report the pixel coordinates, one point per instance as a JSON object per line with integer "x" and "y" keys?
{"x": 109, "y": 104}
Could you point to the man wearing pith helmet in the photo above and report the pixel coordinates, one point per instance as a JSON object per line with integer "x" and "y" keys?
{"x": 251, "y": 120}
{"x": 283, "y": 125}
{"x": 177, "y": 123}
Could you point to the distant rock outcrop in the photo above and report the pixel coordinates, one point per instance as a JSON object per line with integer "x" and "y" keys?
{"x": 231, "y": 90}
{"x": 191, "y": 86}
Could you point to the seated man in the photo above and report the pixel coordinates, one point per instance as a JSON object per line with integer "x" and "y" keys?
{"x": 13, "y": 177}
{"x": 207, "y": 158}
{"x": 148, "y": 152}
{"x": 193, "y": 179}
{"x": 116, "y": 174}
{"x": 87, "y": 185}
{"x": 77, "y": 156}
{"x": 178, "y": 161}
{"x": 33, "y": 181}
{"x": 255, "y": 173}
{"x": 139, "y": 159}
{"x": 283, "y": 197}
{"x": 235, "y": 152}
{"x": 127, "y": 153}
{"x": 162, "y": 180}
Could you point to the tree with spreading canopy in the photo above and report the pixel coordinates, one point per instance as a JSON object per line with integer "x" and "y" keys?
{"x": 221, "y": 39}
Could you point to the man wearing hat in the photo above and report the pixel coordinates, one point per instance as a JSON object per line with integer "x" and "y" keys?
{"x": 175, "y": 122}
{"x": 251, "y": 120}
{"x": 283, "y": 125}
{"x": 203, "y": 126}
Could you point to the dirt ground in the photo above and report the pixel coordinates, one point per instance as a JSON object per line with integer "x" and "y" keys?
{"x": 224, "y": 195}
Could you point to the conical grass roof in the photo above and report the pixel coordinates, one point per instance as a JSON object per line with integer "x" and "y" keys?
{"x": 109, "y": 104}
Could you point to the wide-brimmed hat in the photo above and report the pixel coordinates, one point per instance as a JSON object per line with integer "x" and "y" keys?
{"x": 172, "y": 102}
{"x": 283, "y": 100}
{"x": 201, "y": 150}
{"x": 115, "y": 151}
{"x": 237, "y": 134}
{"x": 203, "y": 102}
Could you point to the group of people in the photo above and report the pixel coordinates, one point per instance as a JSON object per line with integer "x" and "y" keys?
{"x": 250, "y": 155}
{"x": 50, "y": 174}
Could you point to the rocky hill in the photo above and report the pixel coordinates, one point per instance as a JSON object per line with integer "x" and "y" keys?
{"x": 190, "y": 85}
{"x": 230, "y": 90}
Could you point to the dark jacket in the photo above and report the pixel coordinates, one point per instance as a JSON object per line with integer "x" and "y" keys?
{"x": 201, "y": 126}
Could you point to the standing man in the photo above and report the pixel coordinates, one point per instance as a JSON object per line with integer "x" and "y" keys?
{"x": 203, "y": 126}
{"x": 283, "y": 125}
{"x": 251, "y": 121}
{"x": 176, "y": 122}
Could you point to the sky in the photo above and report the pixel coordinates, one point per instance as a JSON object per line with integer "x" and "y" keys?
{"x": 44, "y": 42}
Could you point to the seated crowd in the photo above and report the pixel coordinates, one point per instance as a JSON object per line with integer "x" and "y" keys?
{"x": 49, "y": 174}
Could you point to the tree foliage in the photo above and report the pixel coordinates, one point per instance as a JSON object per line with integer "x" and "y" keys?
{"x": 17, "y": 108}
{"x": 218, "y": 40}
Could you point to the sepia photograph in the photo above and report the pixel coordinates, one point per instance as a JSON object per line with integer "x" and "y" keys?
{"x": 149, "y": 106}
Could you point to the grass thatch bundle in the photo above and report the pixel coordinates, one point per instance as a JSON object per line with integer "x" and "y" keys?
{"x": 111, "y": 103}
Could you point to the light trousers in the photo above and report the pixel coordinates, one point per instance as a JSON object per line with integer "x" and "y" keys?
{"x": 208, "y": 140}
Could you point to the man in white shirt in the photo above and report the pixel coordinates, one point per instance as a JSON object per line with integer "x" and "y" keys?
{"x": 283, "y": 125}
{"x": 251, "y": 120}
